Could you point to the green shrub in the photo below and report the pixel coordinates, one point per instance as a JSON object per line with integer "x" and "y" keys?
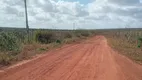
{"x": 9, "y": 42}
{"x": 10, "y": 46}
{"x": 58, "y": 41}
{"x": 21, "y": 35}
{"x": 44, "y": 37}
{"x": 139, "y": 42}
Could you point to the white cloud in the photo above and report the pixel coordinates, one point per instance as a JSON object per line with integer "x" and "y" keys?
{"x": 124, "y": 2}
{"x": 72, "y": 8}
{"x": 98, "y": 14}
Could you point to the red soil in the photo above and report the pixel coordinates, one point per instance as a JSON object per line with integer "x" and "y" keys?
{"x": 92, "y": 59}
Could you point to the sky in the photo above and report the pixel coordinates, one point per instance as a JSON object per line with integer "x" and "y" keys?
{"x": 63, "y": 14}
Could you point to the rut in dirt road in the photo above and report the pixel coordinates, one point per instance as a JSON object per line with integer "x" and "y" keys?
{"x": 89, "y": 60}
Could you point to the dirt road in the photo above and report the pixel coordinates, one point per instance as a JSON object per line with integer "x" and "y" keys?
{"x": 89, "y": 60}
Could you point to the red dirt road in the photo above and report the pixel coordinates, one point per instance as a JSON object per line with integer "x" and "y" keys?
{"x": 89, "y": 60}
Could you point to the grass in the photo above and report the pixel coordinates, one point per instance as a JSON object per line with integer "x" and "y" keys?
{"x": 127, "y": 48}
{"x": 14, "y": 46}
{"x": 17, "y": 48}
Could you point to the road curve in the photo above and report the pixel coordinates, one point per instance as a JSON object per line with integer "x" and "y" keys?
{"x": 92, "y": 59}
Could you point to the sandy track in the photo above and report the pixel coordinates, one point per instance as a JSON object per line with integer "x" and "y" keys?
{"x": 89, "y": 60}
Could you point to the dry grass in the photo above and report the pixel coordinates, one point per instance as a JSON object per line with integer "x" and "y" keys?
{"x": 16, "y": 47}
{"x": 30, "y": 50}
{"x": 126, "y": 48}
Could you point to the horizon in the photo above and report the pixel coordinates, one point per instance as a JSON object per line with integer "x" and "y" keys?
{"x": 133, "y": 28}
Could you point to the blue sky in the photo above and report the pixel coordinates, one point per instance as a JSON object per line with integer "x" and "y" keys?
{"x": 62, "y": 14}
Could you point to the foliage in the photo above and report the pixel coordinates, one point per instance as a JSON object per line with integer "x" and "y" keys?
{"x": 58, "y": 41}
{"x": 10, "y": 46}
{"x": 139, "y": 42}
{"x": 82, "y": 33}
{"x": 6, "y": 58}
{"x": 68, "y": 35}
{"x": 9, "y": 42}
{"x": 44, "y": 37}
{"x": 127, "y": 42}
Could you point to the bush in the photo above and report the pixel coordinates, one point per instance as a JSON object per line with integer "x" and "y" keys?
{"x": 5, "y": 58}
{"x": 58, "y": 41}
{"x": 139, "y": 42}
{"x": 68, "y": 35}
{"x": 44, "y": 37}
{"x": 85, "y": 34}
{"x": 21, "y": 35}
{"x": 10, "y": 46}
{"x": 82, "y": 33}
{"x": 9, "y": 42}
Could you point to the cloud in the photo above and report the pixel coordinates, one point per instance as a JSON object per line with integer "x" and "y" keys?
{"x": 72, "y": 8}
{"x": 124, "y": 2}
{"x": 11, "y": 10}
{"x": 46, "y": 5}
{"x": 112, "y": 10}
{"x": 13, "y": 2}
{"x": 98, "y": 13}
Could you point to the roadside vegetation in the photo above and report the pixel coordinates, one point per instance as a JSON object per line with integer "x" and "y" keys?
{"x": 15, "y": 46}
{"x": 126, "y": 42}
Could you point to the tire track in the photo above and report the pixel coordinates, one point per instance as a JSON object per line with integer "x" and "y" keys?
{"x": 91, "y": 60}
